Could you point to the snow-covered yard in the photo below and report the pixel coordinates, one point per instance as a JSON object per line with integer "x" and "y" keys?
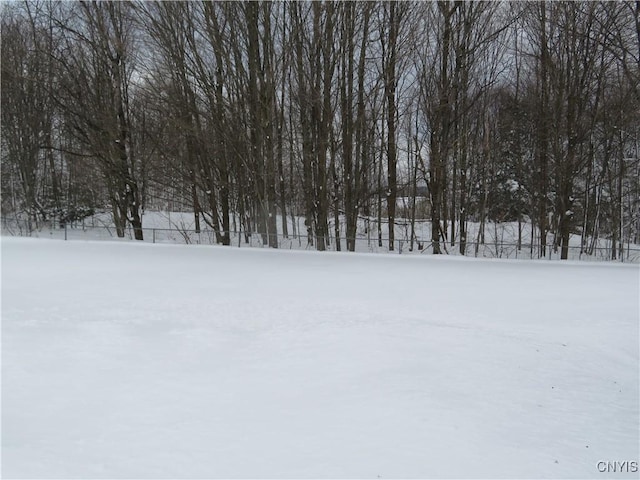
{"x": 125, "y": 360}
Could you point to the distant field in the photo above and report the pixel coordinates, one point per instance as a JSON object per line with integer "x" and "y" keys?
{"x": 500, "y": 239}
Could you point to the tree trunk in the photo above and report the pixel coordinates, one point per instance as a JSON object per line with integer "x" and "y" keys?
{"x": 390, "y": 91}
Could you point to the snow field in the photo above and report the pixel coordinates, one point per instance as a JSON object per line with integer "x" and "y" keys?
{"x": 125, "y": 360}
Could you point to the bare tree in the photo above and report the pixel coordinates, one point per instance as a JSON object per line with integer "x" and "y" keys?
{"x": 96, "y": 65}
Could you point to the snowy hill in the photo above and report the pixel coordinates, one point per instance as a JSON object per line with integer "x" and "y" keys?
{"x": 133, "y": 360}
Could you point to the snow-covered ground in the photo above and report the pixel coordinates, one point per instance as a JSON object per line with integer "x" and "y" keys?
{"x": 133, "y": 360}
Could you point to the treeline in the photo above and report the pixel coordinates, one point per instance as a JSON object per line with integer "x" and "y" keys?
{"x": 248, "y": 113}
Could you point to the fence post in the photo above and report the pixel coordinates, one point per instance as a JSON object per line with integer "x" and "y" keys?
{"x": 65, "y": 230}
{"x": 154, "y": 234}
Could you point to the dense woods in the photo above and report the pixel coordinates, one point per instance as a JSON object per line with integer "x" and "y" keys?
{"x": 249, "y": 113}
